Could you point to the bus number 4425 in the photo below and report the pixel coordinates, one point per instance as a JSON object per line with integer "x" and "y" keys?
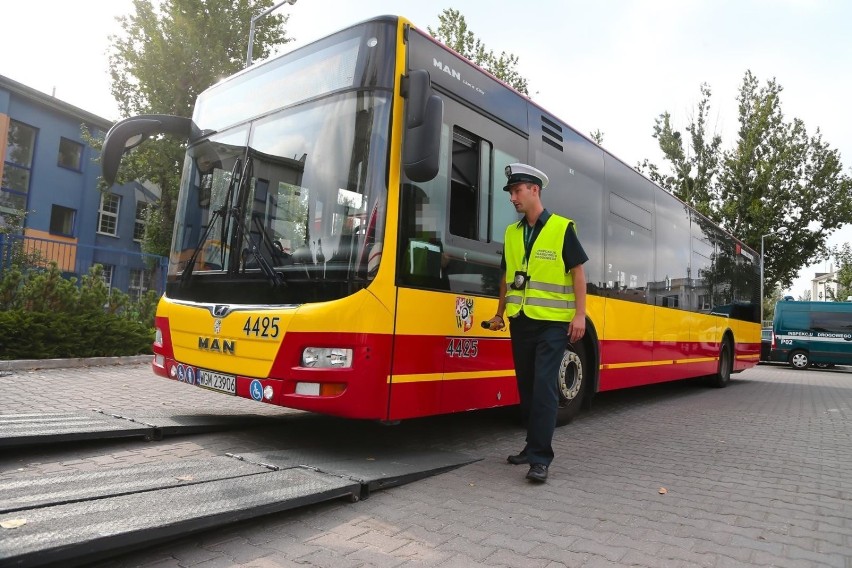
{"x": 463, "y": 348}
{"x": 261, "y": 326}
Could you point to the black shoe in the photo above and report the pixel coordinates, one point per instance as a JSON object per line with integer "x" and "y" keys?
{"x": 537, "y": 472}
{"x": 518, "y": 459}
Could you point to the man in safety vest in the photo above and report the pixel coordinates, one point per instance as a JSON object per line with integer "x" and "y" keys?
{"x": 543, "y": 293}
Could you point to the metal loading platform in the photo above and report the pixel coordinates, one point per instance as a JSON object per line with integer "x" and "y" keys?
{"x": 51, "y": 428}
{"x": 79, "y": 517}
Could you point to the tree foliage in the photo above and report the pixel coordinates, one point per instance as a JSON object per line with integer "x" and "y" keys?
{"x": 454, "y": 33}
{"x": 597, "y": 136}
{"x": 694, "y": 166}
{"x": 168, "y": 52}
{"x": 843, "y": 273}
{"x": 776, "y": 180}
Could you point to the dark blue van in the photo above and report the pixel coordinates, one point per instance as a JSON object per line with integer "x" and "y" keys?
{"x": 812, "y": 333}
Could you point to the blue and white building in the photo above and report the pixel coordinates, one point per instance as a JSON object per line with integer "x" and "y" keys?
{"x": 49, "y": 172}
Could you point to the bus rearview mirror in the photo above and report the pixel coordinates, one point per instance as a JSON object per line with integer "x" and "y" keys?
{"x": 131, "y": 132}
{"x": 424, "y": 113}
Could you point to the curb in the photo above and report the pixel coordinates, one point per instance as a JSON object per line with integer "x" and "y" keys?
{"x": 34, "y": 364}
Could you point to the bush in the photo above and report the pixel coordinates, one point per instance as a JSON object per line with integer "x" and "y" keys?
{"x": 45, "y": 316}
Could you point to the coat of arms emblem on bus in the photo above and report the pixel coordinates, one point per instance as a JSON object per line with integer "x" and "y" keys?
{"x": 217, "y": 326}
{"x": 464, "y": 313}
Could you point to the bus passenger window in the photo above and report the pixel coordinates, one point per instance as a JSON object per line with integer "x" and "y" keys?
{"x": 464, "y": 185}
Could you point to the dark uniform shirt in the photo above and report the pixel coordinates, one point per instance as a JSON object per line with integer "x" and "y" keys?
{"x": 572, "y": 251}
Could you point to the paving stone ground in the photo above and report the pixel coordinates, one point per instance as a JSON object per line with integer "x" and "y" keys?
{"x": 757, "y": 474}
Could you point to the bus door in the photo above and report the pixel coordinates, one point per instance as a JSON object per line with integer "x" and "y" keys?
{"x": 448, "y": 272}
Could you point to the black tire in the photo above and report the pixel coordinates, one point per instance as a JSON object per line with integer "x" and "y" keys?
{"x": 726, "y": 366}
{"x": 800, "y": 360}
{"x": 574, "y": 380}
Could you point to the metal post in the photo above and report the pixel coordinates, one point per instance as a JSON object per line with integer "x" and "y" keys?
{"x": 256, "y": 18}
{"x": 761, "y": 280}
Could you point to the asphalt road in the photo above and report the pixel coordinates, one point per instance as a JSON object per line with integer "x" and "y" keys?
{"x": 757, "y": 474}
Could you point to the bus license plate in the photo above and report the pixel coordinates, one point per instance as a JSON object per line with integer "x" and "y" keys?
{"x": 217, "y": 382}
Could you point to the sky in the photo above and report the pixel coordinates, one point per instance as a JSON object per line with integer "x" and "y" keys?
{"x": 609, "y": 65}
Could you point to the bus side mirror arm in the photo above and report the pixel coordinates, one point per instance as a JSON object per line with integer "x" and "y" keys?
{"x": 424, "y": 113}
{"x": 131, "y": 132}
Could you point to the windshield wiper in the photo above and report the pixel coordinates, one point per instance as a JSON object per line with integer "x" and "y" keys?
{"x": 217, "y": 213}
{"x": 242, "y": 231}
{"x": 190, "y": 264}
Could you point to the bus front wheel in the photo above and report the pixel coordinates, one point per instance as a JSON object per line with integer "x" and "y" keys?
{"x": 799, "y": 360}
{"x": 573, "y": 383}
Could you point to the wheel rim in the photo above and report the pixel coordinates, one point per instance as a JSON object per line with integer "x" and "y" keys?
{"x": 570, "y": 376}
{"x": 800, "y": 360}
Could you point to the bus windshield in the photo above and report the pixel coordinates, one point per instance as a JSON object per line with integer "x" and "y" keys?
{"x": 286, "y": 206}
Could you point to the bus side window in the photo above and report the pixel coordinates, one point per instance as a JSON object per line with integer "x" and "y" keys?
{"x": 471, "y": 256}
{"x": 464, "y": 185}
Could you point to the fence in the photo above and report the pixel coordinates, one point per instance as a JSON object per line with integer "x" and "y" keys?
{"x": 131, "y": 272}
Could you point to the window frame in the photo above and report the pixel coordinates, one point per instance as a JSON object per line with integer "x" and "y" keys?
{"x": 53, "y": 212}
{"x": 135, "y": 290}
{"x": 108, "y": 275}
{"x": 9, "y": 165}
{"x": 77, "y": 145}
{"x": 140, "y": 222}
{"x": 103, "y": 213}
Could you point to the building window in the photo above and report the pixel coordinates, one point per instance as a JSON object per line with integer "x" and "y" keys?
{"x": 62, "y": 220}
{"x": 70, "y": 154}
{"x": 106, "y": 276}
{"x": 108, "y": 214}
{"x": 139, "y": 227}
{"x": 20, "y": 145}
{"x": 137, "y": 286}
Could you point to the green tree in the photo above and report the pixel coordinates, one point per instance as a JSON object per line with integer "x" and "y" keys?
{"x": 168, "y": 52}
{"x": 454, "y": 33}
{"x": 694, "y": 166}
{"x": 597, "y": 136}
{"x": 843, "y": 274}
{"x": 775, "y": 179}
{"x": 774, "y": 296}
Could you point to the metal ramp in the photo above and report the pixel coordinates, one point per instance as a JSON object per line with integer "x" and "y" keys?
{"x": 52, "y": 428}
{"x": 80, "y": 517}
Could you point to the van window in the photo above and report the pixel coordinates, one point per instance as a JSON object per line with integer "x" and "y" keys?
{"x": 796, "y": 321}
{"x": 831, "y": 322}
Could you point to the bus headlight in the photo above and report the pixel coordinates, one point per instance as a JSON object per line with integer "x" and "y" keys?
{"x": 327, "y": 357}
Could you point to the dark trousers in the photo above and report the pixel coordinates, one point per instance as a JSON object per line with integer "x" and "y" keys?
{"x": 538, "y": 347}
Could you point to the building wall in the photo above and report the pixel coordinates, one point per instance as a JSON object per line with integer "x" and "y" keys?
{"x": 823, "y": 287}
{"x": 74, "y": 188}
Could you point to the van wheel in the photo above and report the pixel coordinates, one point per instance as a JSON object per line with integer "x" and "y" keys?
{"x": 799, "y": 360}
{"x": 726, "y": 364}
{"x": 573, "y": 383}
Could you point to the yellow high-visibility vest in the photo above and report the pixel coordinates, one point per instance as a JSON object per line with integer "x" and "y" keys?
{"x": 549, "y": 292}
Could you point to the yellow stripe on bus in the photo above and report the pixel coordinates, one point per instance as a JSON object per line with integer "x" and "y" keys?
{"x": 429, "y": 377}
{"x": 656, "y": 363}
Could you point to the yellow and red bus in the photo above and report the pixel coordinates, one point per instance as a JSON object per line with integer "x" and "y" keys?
{"x": 339, "y": 230}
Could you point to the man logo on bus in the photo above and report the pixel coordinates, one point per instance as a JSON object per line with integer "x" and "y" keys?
{"x": 464, "y": 313}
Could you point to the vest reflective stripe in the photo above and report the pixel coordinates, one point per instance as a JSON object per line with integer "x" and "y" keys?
{"x": 556, "y": 288}
{"x": 549, "y": 293}
{"x": 539, "y": 302}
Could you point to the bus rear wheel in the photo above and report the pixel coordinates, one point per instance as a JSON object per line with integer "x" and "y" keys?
{"x": 573, "y": 383}
{"x": 726, "y": 364}
{"x": 799, "y": 360}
